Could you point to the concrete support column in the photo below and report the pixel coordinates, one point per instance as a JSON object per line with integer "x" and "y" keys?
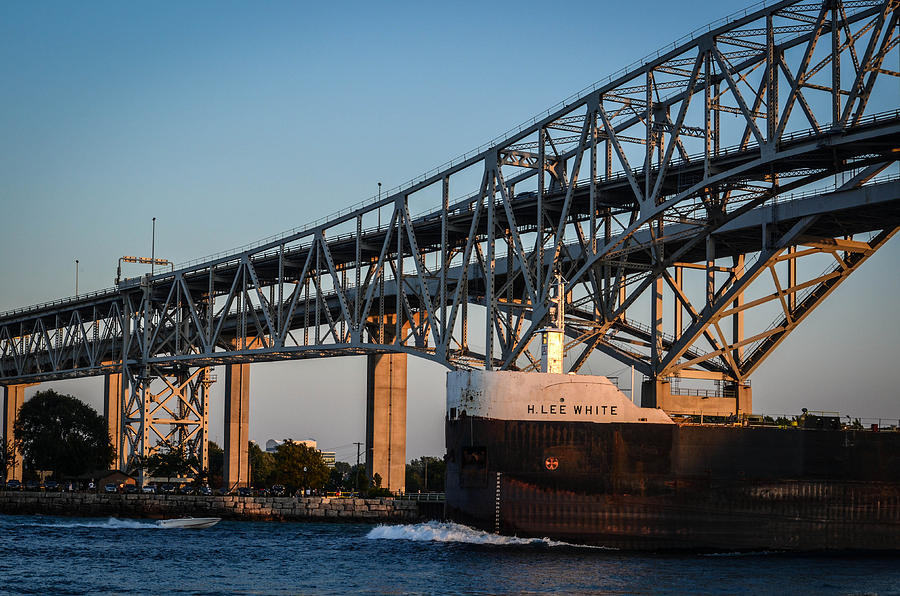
{"x": 386, "y": 420}
{"x": 237, "y": 425}
{"x": 113, "y": 400}
{"x": 13, "y": 398}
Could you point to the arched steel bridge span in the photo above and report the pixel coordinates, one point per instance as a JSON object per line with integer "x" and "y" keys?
{"x": 699, "y": 206}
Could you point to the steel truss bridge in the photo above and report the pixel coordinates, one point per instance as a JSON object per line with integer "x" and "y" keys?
{"x": 738, "y": 177}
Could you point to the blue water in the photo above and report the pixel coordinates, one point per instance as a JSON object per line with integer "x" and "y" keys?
{"x": 43, "y": 554}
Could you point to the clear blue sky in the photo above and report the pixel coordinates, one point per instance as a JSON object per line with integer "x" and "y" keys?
{"x": 232, "y": 121}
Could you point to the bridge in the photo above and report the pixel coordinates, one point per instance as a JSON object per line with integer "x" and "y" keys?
{"x": 698, "y": 207}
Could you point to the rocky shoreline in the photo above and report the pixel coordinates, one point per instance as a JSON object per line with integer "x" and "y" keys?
{"x": 227, "y": 507}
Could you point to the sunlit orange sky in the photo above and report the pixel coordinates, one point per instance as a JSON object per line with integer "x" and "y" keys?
{"x": 232, "y": 121}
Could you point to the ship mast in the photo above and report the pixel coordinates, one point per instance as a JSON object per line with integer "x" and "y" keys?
{"x": 553, "y": 336}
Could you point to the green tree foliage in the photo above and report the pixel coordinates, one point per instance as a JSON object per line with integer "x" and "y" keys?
{"x": 375, "y": 489}
{"x": 172, "y": 462}
{"x": 59, "y": 433}
{"x": 262, "y": 466}
{"x": 416, "y": 474}
{"x": 359, "y": 480}
{"x": 340, "y": 477}
{"x": 7, "y": 457}
{"x": 346, "y": 477}
{"x": 216, "y": 464}
{"x": 299, "y": 466}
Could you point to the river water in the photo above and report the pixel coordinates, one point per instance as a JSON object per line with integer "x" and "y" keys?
{"x": 44, "y": 554}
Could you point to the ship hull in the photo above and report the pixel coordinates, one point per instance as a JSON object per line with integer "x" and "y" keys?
{"x": 668, "y": 486}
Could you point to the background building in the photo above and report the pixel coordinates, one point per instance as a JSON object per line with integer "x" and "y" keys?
{"x": 327, "y": 456}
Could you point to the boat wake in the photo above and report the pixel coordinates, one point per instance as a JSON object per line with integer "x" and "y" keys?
{"x": 110, "y": 524}
{"x": 434, "y": 531}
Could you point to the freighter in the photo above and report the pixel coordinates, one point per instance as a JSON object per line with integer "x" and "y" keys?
{"x": 570, "y": 457}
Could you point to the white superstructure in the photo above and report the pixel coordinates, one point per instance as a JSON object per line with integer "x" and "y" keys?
{"x": 509, "y": 395}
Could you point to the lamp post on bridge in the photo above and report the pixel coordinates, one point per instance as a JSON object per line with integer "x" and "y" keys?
{"x": 153, "y": 248}
{"x": 379, "y": 207}
{"x": 76, "y": 278}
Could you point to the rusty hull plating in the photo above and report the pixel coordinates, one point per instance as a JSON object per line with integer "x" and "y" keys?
{"x": 649, "y": 485}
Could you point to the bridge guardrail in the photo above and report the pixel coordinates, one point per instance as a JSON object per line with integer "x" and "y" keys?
{"x": 421, "y": 497}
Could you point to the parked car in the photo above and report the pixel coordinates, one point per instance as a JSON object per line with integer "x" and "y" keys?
{"x": 13, "y": 484}
{"x": 245, "y": 492}
{"x": 187, "y": 489}
{"x": 51, "y": 485}
{"x": 204, "y": 491}
{"x": 34, "y": 485}
{"x": 110, "y": 488}
{"x": 278, "y": 490}
{"x": 149, "y": 489}
{"x": 167, "y": 489}
{"x": 131, "y": 489}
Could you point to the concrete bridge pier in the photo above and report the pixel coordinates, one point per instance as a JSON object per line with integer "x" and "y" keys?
{"x": 386, "y": 419}
{"x": 13, "y": 399}
{"x": 237, "y": 425}
{"x": 114, "y": 395}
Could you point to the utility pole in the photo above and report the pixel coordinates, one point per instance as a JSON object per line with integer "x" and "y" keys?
{"x": 358, "y": 446}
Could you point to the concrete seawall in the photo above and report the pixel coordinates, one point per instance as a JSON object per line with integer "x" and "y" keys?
{"x": 227, "y": 507}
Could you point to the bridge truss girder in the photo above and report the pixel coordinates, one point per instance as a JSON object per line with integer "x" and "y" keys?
{"x": 165, "y": 410}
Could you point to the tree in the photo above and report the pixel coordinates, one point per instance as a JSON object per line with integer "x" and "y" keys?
{"x": 7, "y": 456}
{"x": 262, "y": 466}
{"x": 359, "y": 479}
{"x": 340, "y": 477}
{"x": 171, "y": 462}
{"x": 216, "y": 464}
{"x": 299, "y": 466}
{"x": 416, "y": 470}
{"x": 59, "y": 433}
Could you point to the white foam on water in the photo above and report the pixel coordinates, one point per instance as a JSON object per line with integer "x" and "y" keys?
{"x": 111, "y": 524}
{"x": 434, "y": 531}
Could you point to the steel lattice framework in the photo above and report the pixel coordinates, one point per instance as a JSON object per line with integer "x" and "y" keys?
{"x": 695, "y": 178}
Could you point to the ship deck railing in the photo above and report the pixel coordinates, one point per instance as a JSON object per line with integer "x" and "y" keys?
{"x": 782, "y": 421}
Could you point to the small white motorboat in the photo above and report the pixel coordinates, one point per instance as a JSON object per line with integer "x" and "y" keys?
{"x": 191, "y": 523}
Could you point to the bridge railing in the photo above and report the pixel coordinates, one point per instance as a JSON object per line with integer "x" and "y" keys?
{"x": 421, "y": 497}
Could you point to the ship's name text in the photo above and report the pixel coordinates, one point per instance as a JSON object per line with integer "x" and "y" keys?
{"x": 578, "y": 409}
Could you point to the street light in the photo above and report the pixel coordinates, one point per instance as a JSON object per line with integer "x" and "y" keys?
{"x": 76, "y": 278}
{"x": 379, "y": 207}
{"x": 153, "y": 247}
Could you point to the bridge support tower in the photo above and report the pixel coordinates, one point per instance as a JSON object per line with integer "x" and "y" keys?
{"x": 386, "y": 419}
{"x": 237, "y": 425}
{"x": 114, "y": 397}
{"x": 13, "y": 398}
